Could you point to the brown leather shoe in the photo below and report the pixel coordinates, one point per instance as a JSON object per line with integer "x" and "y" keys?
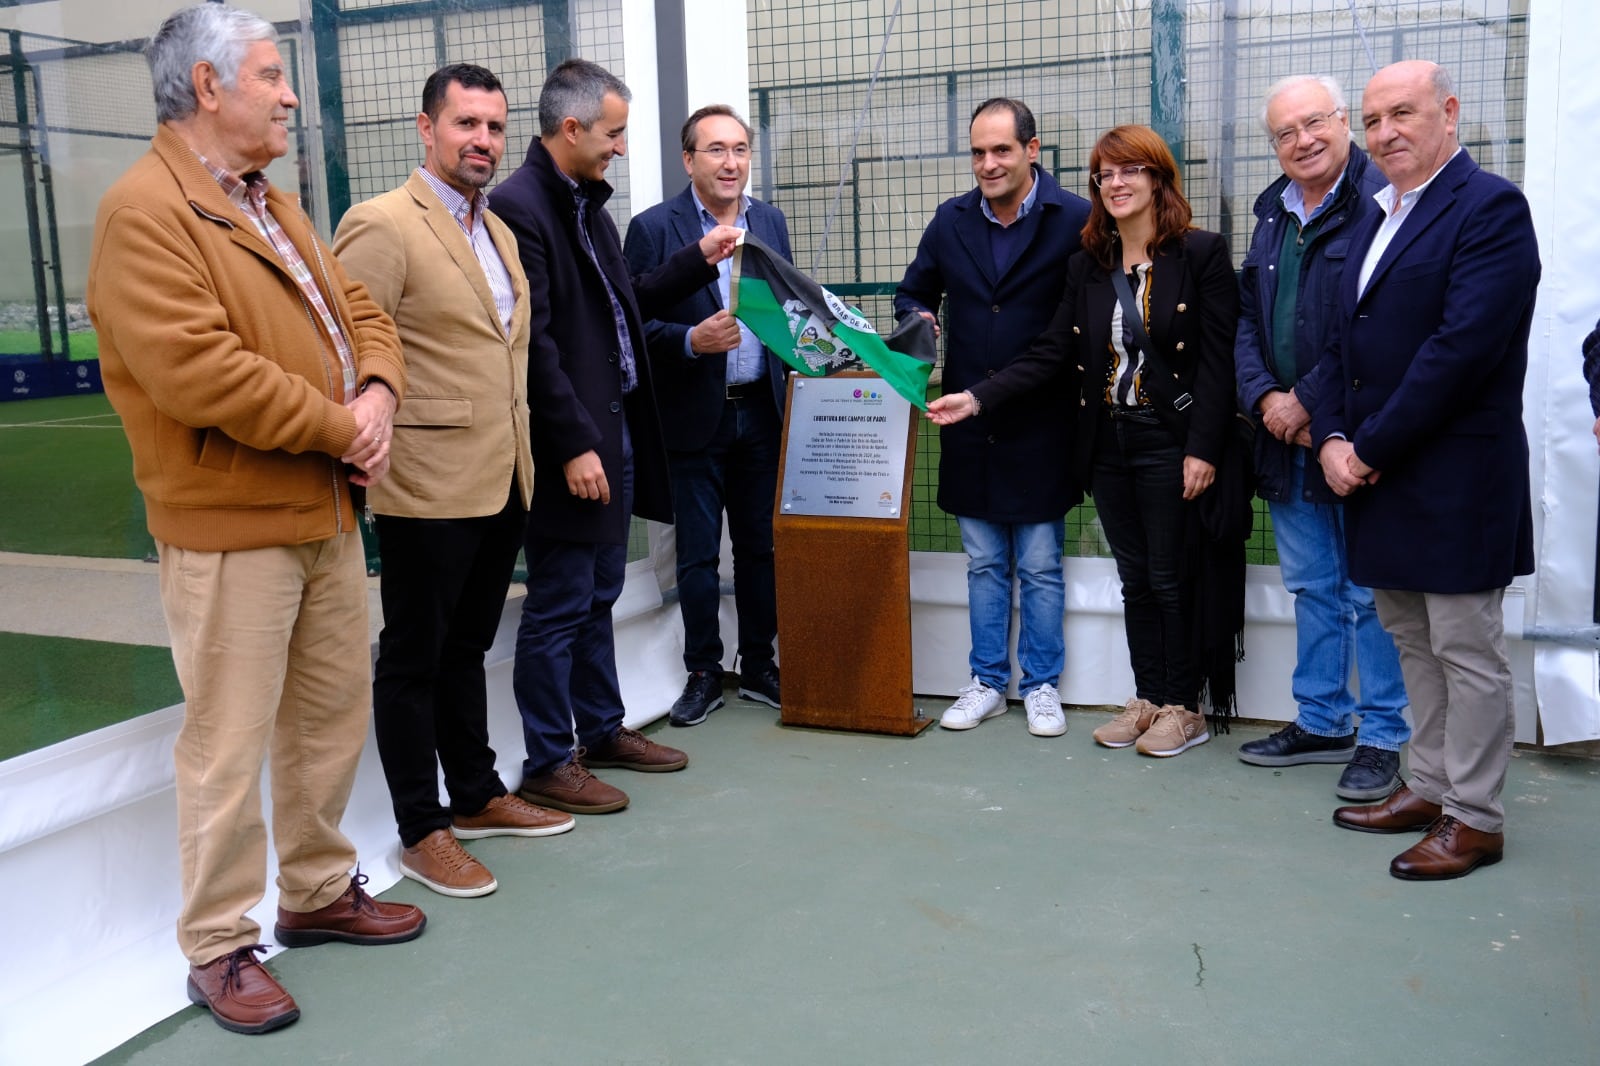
{"x": 240, "y": 994}
{"x": 445, "y": 866}
{"x": 511, "y": 816}
{"x": 1452, "y": 848}
{"x": 1403, "y": 812}
{"x": 631, "y": 750}
{"x": 353, "y": 918}
{"x": 571, "y": 787}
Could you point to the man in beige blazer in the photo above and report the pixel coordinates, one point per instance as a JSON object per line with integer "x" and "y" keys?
{"x": 451, "y": 514}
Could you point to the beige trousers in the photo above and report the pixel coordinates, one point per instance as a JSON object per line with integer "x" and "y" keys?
{"x": 272, "y": 650}
{"x": 1453, "y": 656}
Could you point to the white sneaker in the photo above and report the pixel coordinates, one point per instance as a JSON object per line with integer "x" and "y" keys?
{"x": 977, "y": 702}
{"x": 1045, "y": 717}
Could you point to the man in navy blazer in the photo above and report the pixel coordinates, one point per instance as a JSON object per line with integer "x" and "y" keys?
{"x": 721, "y": 403}
{"x": 996, "y": 258}
{"x": 1421, "y": 428}
{"x": 596, "y": 440}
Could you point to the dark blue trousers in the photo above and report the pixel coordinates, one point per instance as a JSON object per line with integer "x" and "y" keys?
{"x": 737, "y": 473}
{"x": 565, "y": 677}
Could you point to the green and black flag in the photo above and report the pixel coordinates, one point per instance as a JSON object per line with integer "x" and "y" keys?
{"x": 815, "y": 332}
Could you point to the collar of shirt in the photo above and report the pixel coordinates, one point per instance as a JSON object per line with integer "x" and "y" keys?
{"x": 453, "y": 201}
{"x": 1294, "y": 200}
{"x": 708, "y": 221}
{"x": 1399, "y": 203}
{"x": 1027, "y": 202}
{"x": 235, "y": 187}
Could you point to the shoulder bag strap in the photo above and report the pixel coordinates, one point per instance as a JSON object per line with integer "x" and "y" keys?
{"x": 1159, "y": 383}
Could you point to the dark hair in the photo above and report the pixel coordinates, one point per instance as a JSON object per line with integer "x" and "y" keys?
{"x": 466, "y": 75}
{"x": 689, "y": 126}
{"x": 1021, "y": 117}
{"x": 577, "y": 89}
{"x": 1135, "y": 146}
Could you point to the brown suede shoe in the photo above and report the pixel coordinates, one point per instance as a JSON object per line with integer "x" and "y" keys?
{"x": 1403, "y": 812}
{"x": 240, "y": 994}
{"x": 632, "y": 750}
{"x": 571, "y": 787}
{"x": 511, "y": 816}
{"x": 445, "y": 866}
{"x": 1452, "y": 848}
{"x": 353, "y": 918}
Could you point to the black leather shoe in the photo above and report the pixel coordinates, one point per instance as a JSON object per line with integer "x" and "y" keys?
{"x": 1292, "y": 746}
{"x": 702, "y": 694}
{"x": 760, "y": 683}
{"x": 1372, "y": 774}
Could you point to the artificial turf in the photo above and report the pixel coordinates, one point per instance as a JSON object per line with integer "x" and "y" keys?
{"x": 26, "y": 342}
{"x": 53, "y": 688}
{"x": 66, "y": 477}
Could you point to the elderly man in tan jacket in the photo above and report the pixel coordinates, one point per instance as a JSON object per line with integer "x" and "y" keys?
{"x": 256, "y": 382}
{"x": 450, "y": 517}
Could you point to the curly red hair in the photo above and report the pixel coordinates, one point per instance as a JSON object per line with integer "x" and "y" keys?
{"x": 1136, "y": 146}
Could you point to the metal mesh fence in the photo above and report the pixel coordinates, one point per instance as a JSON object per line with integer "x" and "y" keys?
{"x": 1194, "y": 69}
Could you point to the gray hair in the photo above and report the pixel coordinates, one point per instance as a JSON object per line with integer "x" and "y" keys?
{"x": 204, "y": 33}
{"x": 1443, "y": 87}
{"x": 576, "y": 89}
{"x": 1283, "y": 85}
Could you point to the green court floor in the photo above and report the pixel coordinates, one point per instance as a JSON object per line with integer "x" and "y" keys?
{"x": 799, "y": 897}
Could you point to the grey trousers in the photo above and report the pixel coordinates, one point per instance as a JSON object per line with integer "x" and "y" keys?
{"x": 1453, "y": 656}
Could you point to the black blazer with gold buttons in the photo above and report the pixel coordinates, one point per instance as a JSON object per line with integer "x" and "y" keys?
{"x": 1194, "y": 311}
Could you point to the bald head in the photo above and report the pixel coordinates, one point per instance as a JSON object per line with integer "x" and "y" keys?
{"x": 1409, "y": 112}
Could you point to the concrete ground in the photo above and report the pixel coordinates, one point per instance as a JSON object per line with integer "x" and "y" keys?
{"x": 116, "y": 600}
{"x": 806, "y": 897}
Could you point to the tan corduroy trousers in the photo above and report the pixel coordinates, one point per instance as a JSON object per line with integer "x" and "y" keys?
{"x": 272, "y": 650}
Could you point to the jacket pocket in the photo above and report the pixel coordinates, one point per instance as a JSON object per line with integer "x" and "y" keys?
{"x": 216, "y": 451}
{"x": 453, "y": 411}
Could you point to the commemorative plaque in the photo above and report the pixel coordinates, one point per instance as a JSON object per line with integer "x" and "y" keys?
{"x": 841, "y": 529}
{"x": 845, "y": 454}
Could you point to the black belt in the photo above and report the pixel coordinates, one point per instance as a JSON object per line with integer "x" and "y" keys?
{"x": 1144, "y": 414}
{"x": 745, "y": 390}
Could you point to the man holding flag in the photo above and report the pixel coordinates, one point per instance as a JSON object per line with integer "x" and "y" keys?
{"x": 720, "y": 396}
{"x": 997, "y": 255}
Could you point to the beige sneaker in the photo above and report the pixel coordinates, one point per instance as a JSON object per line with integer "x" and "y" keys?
{"x": 1128, "y": 726}
{"x": 445, "y": 866}
{"x": 1174, "y": 731}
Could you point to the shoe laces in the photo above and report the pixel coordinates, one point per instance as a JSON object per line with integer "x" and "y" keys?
{"x": 1443, "y": 828}
{"x": 1368, "y": 756}
{"x": 573, "y": 772}
{"x": 1291, "y": 733}
{"x": 972, "y": 695}
{"x": 359, "y": 900}
{"x": 449, "y": 854}
{"x": 237, "y": 961}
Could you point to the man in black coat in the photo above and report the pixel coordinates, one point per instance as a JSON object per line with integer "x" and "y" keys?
{"x": 593, "y": 420}
{"x": 996, "y": 257}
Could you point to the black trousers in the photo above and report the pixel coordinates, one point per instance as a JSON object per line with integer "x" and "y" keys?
{"x": 1137, "y": 483}
{"x": 444, "y": 586}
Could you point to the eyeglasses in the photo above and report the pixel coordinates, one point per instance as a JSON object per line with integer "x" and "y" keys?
{"x": 1316, "y": 126}
{"x": 740, "y": 152}
{"x": 1127, "y": 174}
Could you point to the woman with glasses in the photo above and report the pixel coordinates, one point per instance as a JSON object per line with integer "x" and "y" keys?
{"x": 1154, "y": 367}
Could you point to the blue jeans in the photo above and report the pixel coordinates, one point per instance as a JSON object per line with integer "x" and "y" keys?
{"x": 997, "y": 551}
{"x": 1336, "y": 627}
{"x": 736, "y": 472}
{"x": 565, "y": 675}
